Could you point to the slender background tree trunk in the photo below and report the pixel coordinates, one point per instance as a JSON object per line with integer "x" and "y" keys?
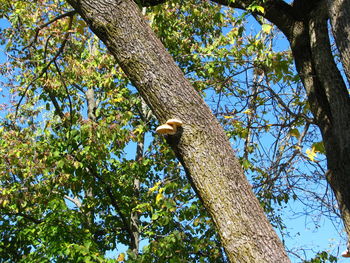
{"x": 328, "y": 98}
{"x": 304, "y": 23}
{"x": 339, "y": 14}
{"x": 201, "y": 144}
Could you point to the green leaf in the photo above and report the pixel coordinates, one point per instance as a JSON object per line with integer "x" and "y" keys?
{"x": 295, "y": 132}
{"x": 319, "y": 147}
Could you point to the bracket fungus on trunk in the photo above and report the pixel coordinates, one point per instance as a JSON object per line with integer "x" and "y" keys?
{"x": 170, "y": 127}
{"x": 165, "y": 129}
{"x": 346, "y": 254}
{"x": 174, "y": 123}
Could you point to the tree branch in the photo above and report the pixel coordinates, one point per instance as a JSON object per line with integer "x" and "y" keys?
{"x": 70, "y": 14}
{"x": 277, "y": 12}
{"x": 44, "y": 70}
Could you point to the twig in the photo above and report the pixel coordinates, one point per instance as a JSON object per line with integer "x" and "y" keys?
{"x": 74, "y": 200}
{"x": 67, "y": 91}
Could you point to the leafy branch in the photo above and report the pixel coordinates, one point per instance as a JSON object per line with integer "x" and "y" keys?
{"x": 44, "y": 70}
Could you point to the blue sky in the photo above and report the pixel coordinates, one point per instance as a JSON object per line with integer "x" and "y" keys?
{"x": 301, "y": 229}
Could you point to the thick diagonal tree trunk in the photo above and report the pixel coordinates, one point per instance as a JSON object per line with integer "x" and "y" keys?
{"x": 304, "y": 23}
{"x": 201, "y": 144}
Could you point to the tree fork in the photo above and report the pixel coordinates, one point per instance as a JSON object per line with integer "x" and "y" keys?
{"x": 327, "y": 93}
{"x": 328, "y": 98}
{"x": 201, "y": 144}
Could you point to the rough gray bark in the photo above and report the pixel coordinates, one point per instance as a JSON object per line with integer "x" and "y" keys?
{"x": 336, "y": 136}
{"x": 201, "y": 144}
{"x": 304, "y": 23}
{"x": 328, "y": 98}
{"x": 339, "y": 14}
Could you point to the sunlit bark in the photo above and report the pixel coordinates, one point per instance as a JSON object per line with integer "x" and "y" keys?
{"x": 201, "y": 144}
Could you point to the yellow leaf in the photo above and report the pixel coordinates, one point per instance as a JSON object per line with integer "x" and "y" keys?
{"x": 116, "y": 100}
{"x": 138, "y": 130}
{"x": 228, "y": 117}
{"x": 161, "y": 190}
{"x": 297, "y": 147}
{"x": 159, "y": 197}
{"x": 4, "y": 203}
{"x": 260, "y": 9}
{"x": 266, "y": 28}
{"x": 121, "y": 257}
{"x": 154, "y": 188}
{"x": 311, "y": 154}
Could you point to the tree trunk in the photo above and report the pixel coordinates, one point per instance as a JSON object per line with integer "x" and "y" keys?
{"x": 339, "y": 14}
{"x": 337, "y": 137}
{"x": 328, "y": 98}
{"x": 201, "y": 144}
{"x": 304, "y": 23}
{"x": 135, "y": 215}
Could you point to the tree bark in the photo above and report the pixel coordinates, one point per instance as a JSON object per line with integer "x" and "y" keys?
{"x": 327, "y": 95}
{"x": 304, "y": 23}
{"x": 339, "y": 14}
{"x": 135, "y": 215}
{"x": 201, "y": 144}
{"x": 328, "y": 98}
{"x": 336, "y": 137}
